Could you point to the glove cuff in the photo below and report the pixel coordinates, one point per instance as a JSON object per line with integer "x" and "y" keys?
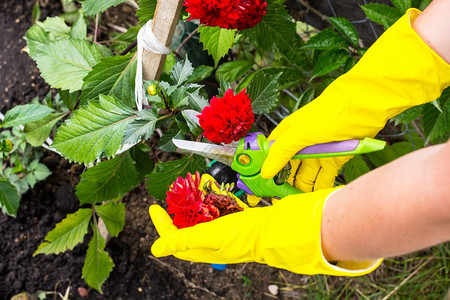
{"x": 297, "y": 247}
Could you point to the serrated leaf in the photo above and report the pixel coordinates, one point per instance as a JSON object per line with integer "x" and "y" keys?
{"x": 200, "y": 73}
{"x": 217, "y": 41}
{"x": 402, "y": 5}
{"x": 98, "y": 264}
{"x": 329, "y": 61}
{"x": 289, "y": 77}
{"x": 67, "y": 233}
{"x": 390, "y": 153}
{"x": 354, "y": 168}
{"x": 223, "y": 87}
{"x": 181, "y": 72}
{"x": 167, "y": 172}
{"x": 275, "y": 31}
{"x": 113, "y": 215}
{"x": 37, "y": 132}
{"x": 79, "y": 27}
{"x": 69, "y": 99}
{"x": 91, "y": 7}
{"x": 23, "y": 114}
{"x": 35, "y": 37}
{"x": 347, "y": 29}
{"x": 108, "y": 180}
{"x": 9, "y": 198}
{"x": 146, "y": 10}
{"x": 112, "y": 76}
{"x": 408, "y": 115}
{"x": 382, "y": 14}
{"x": 193, "y": 126}
{"x": 143, "y": 162}
{"x": 436, "y": 124}
{"x": 94, "y": 130}
{"x": 325, "y": 40}
{"x": 233, "y": 70}
{"x": 64, "y": 63}
{"x": 140, "y": 129}
{"x": 263, "y": 90}
{"x": 197, "y": 101}
{"x": 56, "y": 27}
{"x": 41, "y": 172}
{"x": 166, "y": 144}
{"x": 179, "y": 97}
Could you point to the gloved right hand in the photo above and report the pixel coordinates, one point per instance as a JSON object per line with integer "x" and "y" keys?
{"x": 397, "y": 72}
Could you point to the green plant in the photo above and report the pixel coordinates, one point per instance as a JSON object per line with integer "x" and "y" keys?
{"x": 96, "y": 122}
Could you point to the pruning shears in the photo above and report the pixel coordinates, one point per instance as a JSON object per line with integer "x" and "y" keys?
{"x": 248, "y": 157}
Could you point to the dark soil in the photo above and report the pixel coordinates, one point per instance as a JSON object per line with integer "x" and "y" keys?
{"x": 137, "y": 274}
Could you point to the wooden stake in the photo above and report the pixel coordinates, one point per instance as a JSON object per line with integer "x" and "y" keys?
{"x": 166, "y": 18}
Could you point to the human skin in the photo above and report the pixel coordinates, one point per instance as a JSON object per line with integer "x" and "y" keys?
{"x": 405, "y": 205}
{"x": 396, "y": 209}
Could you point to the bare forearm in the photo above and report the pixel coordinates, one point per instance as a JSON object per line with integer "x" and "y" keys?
{"x": 396, "y": 209}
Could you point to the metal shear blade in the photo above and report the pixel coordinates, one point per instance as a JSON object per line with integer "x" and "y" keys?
{"x": 220, "y": 153}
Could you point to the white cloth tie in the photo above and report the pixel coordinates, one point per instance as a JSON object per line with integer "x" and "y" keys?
{"x": 148, "y": 41}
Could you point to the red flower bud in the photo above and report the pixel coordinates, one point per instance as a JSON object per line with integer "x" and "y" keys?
{"x": 227, "y": 119}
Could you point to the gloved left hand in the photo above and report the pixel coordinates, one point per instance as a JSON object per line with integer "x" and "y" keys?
{"x": 286, "y": 235}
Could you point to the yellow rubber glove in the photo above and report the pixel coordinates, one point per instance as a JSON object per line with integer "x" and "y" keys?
{"x": 397, "y": 72}
{"x": 286, "y": 235}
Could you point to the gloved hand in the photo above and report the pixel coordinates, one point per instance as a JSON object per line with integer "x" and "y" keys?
{"x": 286, "y": 235}
{"x": 397, "y": 72}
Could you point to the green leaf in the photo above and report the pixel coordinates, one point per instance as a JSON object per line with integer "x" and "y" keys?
{"x": 140, "y": 129}
{"x": 64, "y": 63}
{"x": 146, "y": 10}
{"x": 23, "y": 114}
{"x": 113, "y": 215}
{"x": 91, "y": 7}
{"x": 143, "y": 162}
{"x": 166, "y": 144}
{"x": 289, "y": 77}
{"x": 37, "y": 132}
{"x": 112, "y": 76}
{"x": 197, "y": 101}
{"x": 408, "y": 115}
{"x": 381, "y": 14}
{"x": 233, "y": 70}
{"x": 402, "y": 5}
{"x": 79, "y": 27}
{"x": 181, "y": 71}
{"x": 329, "y": 61}
{"x": 41, "y": 172}
{"x": 354, "y": 168}
{"x": 94, "y": 130}
{"x": 35, "y": 37}
{"x": 167, "y": 172}
{"x": 9, "y": 198}
{"x": 325, "y": 40}
{"x": 56, "y": 27}
{"x": 436, "y": 124}
{"x": 263, "y": 90}
{"x": 200, "y": 73}
{"x": 98, "y": 264}
{"x": 217, "y": 41}
{"x": 69, "y": 99}
{"x": 390, "y": 153}
{"x": 121, "y": 41}
{"x": 193, "y": 126}
{"x": 36, "y": 14}
{"x": 424, "y": 3}
{"x": 224, "y": 86}
{"x": 276, "y": 30}
{"x": 67, "y": 233}
{"x": 347, "y": 29}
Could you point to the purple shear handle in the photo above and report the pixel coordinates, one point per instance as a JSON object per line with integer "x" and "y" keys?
{"x": 331, "y": 147}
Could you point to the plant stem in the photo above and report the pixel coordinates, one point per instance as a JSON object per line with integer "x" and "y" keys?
{"x": 128, "y": 49}
{"x": 315, "y": 11}
{"x": 186, "y": 40}
{"x": 166, "y": 104}
{"x": 96, "y": 28}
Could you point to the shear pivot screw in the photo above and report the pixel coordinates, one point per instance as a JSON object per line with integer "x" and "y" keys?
{"x": 244, "y": 159}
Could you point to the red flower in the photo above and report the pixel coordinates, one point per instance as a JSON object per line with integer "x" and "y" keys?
{"x": 230, "y": 14}
{"x": 227, "y": 119}
{"x": 185, "y": 202}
